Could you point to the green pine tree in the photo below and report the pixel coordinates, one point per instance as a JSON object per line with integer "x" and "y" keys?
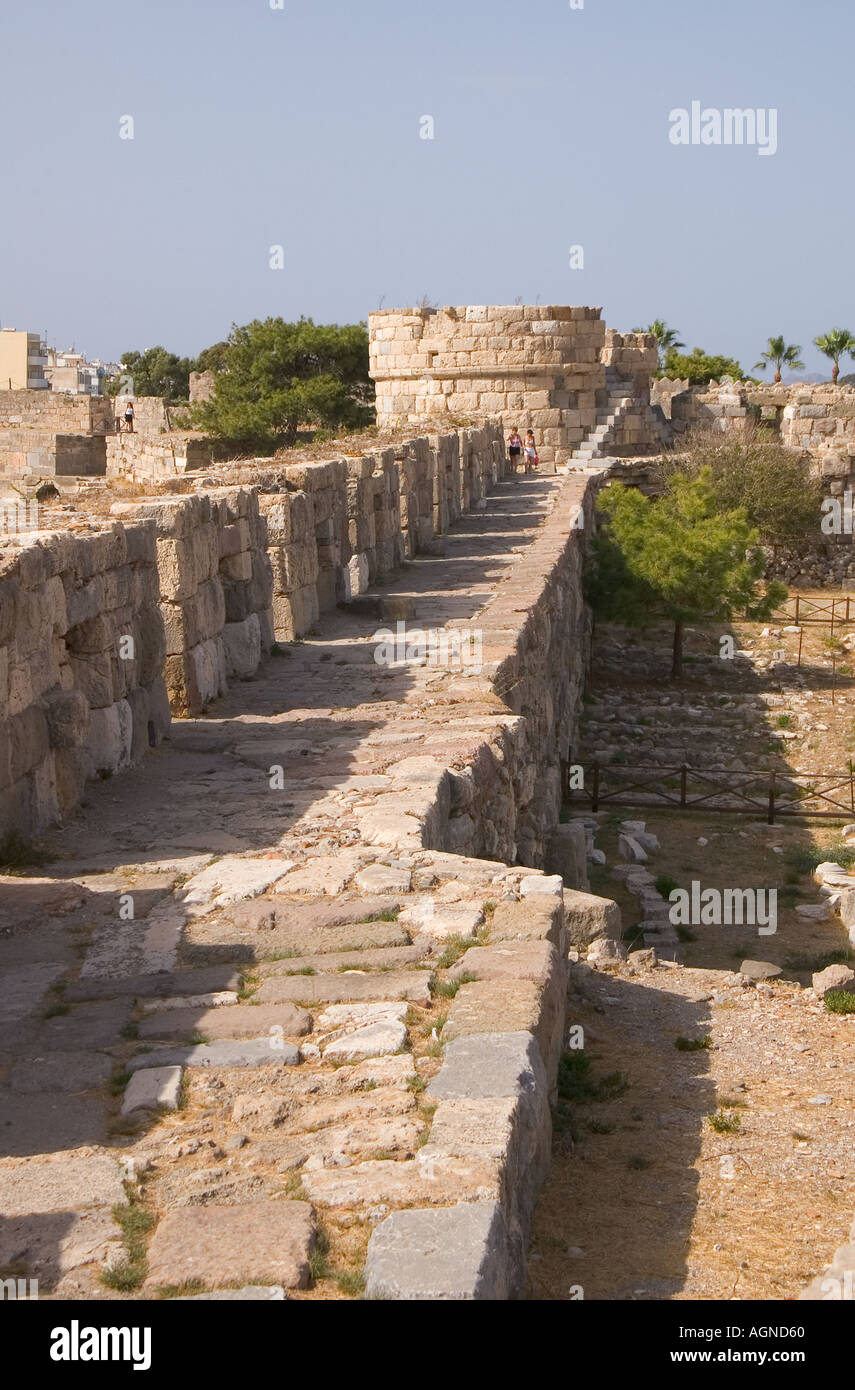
{"x": 679, "y": 558}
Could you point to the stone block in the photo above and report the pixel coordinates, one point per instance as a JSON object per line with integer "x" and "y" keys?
{"x": 152, "y": 1088}
{"x": 265, "y": 1241}
{"x": 455, "y": 1253}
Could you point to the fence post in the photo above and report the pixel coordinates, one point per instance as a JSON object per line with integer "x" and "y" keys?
{"x": 683, "y": 772}
{"x": 772, "y": 776}
{"x": 851, "y": 787}
{"x": 595, "y": 791}
{"x": 797, "y": 606}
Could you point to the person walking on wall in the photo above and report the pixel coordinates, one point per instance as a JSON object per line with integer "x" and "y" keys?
{"x": 515, "y": 445}
{"x": 531, "y": 459}
{"x": 129, "y": 417}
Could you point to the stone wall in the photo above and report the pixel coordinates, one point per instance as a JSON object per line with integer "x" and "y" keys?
{"x": 814, "y": 417}
{"x": 633, "y": 357}
{"x": 32, "y": 453}
{"x": 335, "y": 527}
{"x": 535, "y": 366}
{"x": 57, "y": 412}
{"x": 215, "y": 590}
{"x": 81, "y": 667}
{"x": 147, "y": 456}
{"x": 233, "y": 568}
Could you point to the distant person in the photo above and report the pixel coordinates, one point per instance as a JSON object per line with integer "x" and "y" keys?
{"x": 531, "y": 459}
{"x": 129, "y": 417}
{"x": 515, "y": 446}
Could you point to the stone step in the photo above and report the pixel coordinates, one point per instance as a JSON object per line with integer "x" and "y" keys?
{"x": 341, "y": 988}
{"x": 229, "y": 1022}
{"x": 207, "y": 980}
{"x": 267, "y": 1051}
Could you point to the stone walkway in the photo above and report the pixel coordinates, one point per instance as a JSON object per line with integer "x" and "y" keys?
{"x": 227, "y": 989}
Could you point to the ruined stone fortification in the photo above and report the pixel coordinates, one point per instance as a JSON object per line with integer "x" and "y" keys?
{"x": 414, "y": 816}
{"x": 546, "y": 367}
{"x": 216, "y": 575}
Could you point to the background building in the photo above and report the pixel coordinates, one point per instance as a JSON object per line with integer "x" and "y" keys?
{"x": 23, "y": 358}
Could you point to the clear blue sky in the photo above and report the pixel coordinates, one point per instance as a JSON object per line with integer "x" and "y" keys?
{"x": 300, "y": 127}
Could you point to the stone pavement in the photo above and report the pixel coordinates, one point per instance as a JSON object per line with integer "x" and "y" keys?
{"x": 226, "y": 992}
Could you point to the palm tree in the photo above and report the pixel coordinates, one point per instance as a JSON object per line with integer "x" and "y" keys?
{"x": 665, "y": 337}
{"x": 835, "y": 345}
{"x": 782, "y": 354}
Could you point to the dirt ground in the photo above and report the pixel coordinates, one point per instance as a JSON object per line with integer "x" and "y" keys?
{"x": 717, "y": 1160}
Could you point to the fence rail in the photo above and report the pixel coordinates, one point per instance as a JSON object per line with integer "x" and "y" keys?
{"x": 809, "y": 612}
{"x": 773, "y": 795}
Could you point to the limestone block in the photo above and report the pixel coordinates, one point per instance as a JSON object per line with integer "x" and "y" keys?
{"x": 110, "y": 736}
{"x": 458, "y": 1253}
{"x": 242, "y": 646}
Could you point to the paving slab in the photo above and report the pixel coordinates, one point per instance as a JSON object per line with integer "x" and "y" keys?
{"x": 23, "y": 988}
{"x": 258, "y": 1241}
{"x": 52, "y": 1244}
{"x": 65, "y": 1182}
{"x": 45, "y": 1122}
{"x": 60, "y": 1071}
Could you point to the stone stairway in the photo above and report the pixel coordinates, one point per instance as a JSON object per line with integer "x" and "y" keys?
{"x": 608, "y": 436}
{"x": 596, "y": 444}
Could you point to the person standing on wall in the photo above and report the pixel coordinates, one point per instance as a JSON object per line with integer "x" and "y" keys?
{"x": 515, "y": 445}
{"x": 129, "y": 417}
{"x": 531, "y": 459}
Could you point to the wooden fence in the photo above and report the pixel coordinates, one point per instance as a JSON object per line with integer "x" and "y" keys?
{"x": 770, "y": 795}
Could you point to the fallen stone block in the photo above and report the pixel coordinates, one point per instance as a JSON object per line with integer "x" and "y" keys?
{"x": 834, "y": 977}
{"x": 590, "y": 917}
{"x": 760, "y": 970}
{"x": 153, "y": 1088}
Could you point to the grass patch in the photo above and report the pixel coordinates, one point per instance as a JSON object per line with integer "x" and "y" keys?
{"x": 416, "y": 1084}
{"x": 389, "y": 914}
{"x": 351, "y": 1282}
{"x": 248, "y": 985}
{"x": 840, "y": 1001}
{"x": 723, "y": 1123}
{"x": 129, "y": 1032}
{"x": 639, "y": 1161}
{"x": 577, "y": 1086}
{"x": 319, "y": 1267}
{"x": 135, "y": 1224}
{"x": 665, "y": 885}
{"x": 693, "y": 1044}
{"x": 118, "y": 1081}
{"x": 685, "y": 934}
{"x": 446, "y": 989}
{"x": 804, "y": 861}
{"x": 455, "y": 947}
